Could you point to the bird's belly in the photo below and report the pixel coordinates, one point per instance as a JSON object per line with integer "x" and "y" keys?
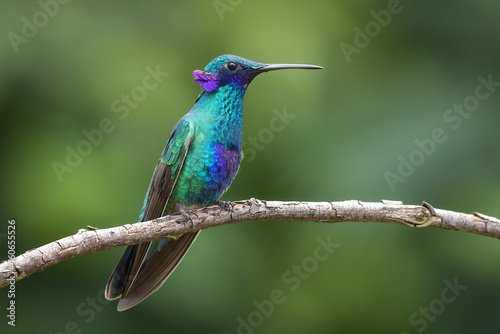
{"x": 207, "y": 173}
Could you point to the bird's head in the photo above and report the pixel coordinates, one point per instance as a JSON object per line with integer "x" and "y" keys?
{"x": 233, "y": 70}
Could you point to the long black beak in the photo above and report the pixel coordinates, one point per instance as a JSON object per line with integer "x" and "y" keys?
{"x": 272, "y": 67}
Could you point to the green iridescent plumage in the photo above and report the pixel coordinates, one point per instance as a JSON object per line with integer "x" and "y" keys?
{"x": 198, "y": 164}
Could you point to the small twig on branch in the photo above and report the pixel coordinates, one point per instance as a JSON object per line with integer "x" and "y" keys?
{"x": 87, "y": 242}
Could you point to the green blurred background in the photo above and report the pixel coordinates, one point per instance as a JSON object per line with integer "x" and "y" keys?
{"x": 353, "y": 122}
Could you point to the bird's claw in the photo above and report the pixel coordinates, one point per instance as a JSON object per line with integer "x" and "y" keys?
{"x": 225, "y": 205}
{"x": 186, "y": 214}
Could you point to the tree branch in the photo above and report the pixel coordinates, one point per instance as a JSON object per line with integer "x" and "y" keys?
{"x": 87, "y": 242}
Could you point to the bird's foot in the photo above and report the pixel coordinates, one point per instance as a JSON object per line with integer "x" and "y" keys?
{"x": 226, "y": 206}
{"x": 187, "y": 214}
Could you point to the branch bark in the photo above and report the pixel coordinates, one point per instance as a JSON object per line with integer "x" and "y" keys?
{"x": 94, "y": 240}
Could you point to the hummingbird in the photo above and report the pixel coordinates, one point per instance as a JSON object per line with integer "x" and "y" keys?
{"x": 199, "y": 163}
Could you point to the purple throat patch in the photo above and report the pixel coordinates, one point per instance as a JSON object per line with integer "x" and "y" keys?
{"x": 206, "y": 80}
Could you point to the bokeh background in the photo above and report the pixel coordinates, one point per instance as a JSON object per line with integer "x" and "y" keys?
{"x": 353, "y": 121}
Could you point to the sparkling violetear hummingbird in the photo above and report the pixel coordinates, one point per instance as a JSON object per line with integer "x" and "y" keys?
{"x": 197, "y": 166}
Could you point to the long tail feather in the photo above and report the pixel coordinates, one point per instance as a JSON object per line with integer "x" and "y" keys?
{"x": 156, "y": 269}
{"x": 126, "y": 270}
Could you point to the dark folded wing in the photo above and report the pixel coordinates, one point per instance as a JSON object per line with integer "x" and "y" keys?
{"x": 160, "y": 189}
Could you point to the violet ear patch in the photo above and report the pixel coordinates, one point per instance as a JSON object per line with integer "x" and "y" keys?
{"x": 206, "y": 80}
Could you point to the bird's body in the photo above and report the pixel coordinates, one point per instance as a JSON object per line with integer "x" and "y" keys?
{"x": 215, "y": 154}
{"x": 197, "y": 166}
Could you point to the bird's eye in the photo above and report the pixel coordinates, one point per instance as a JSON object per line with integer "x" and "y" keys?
{"x": 232, "y": 66}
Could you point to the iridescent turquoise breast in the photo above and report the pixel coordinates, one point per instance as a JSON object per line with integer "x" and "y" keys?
{"x": 207, "y": 173}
